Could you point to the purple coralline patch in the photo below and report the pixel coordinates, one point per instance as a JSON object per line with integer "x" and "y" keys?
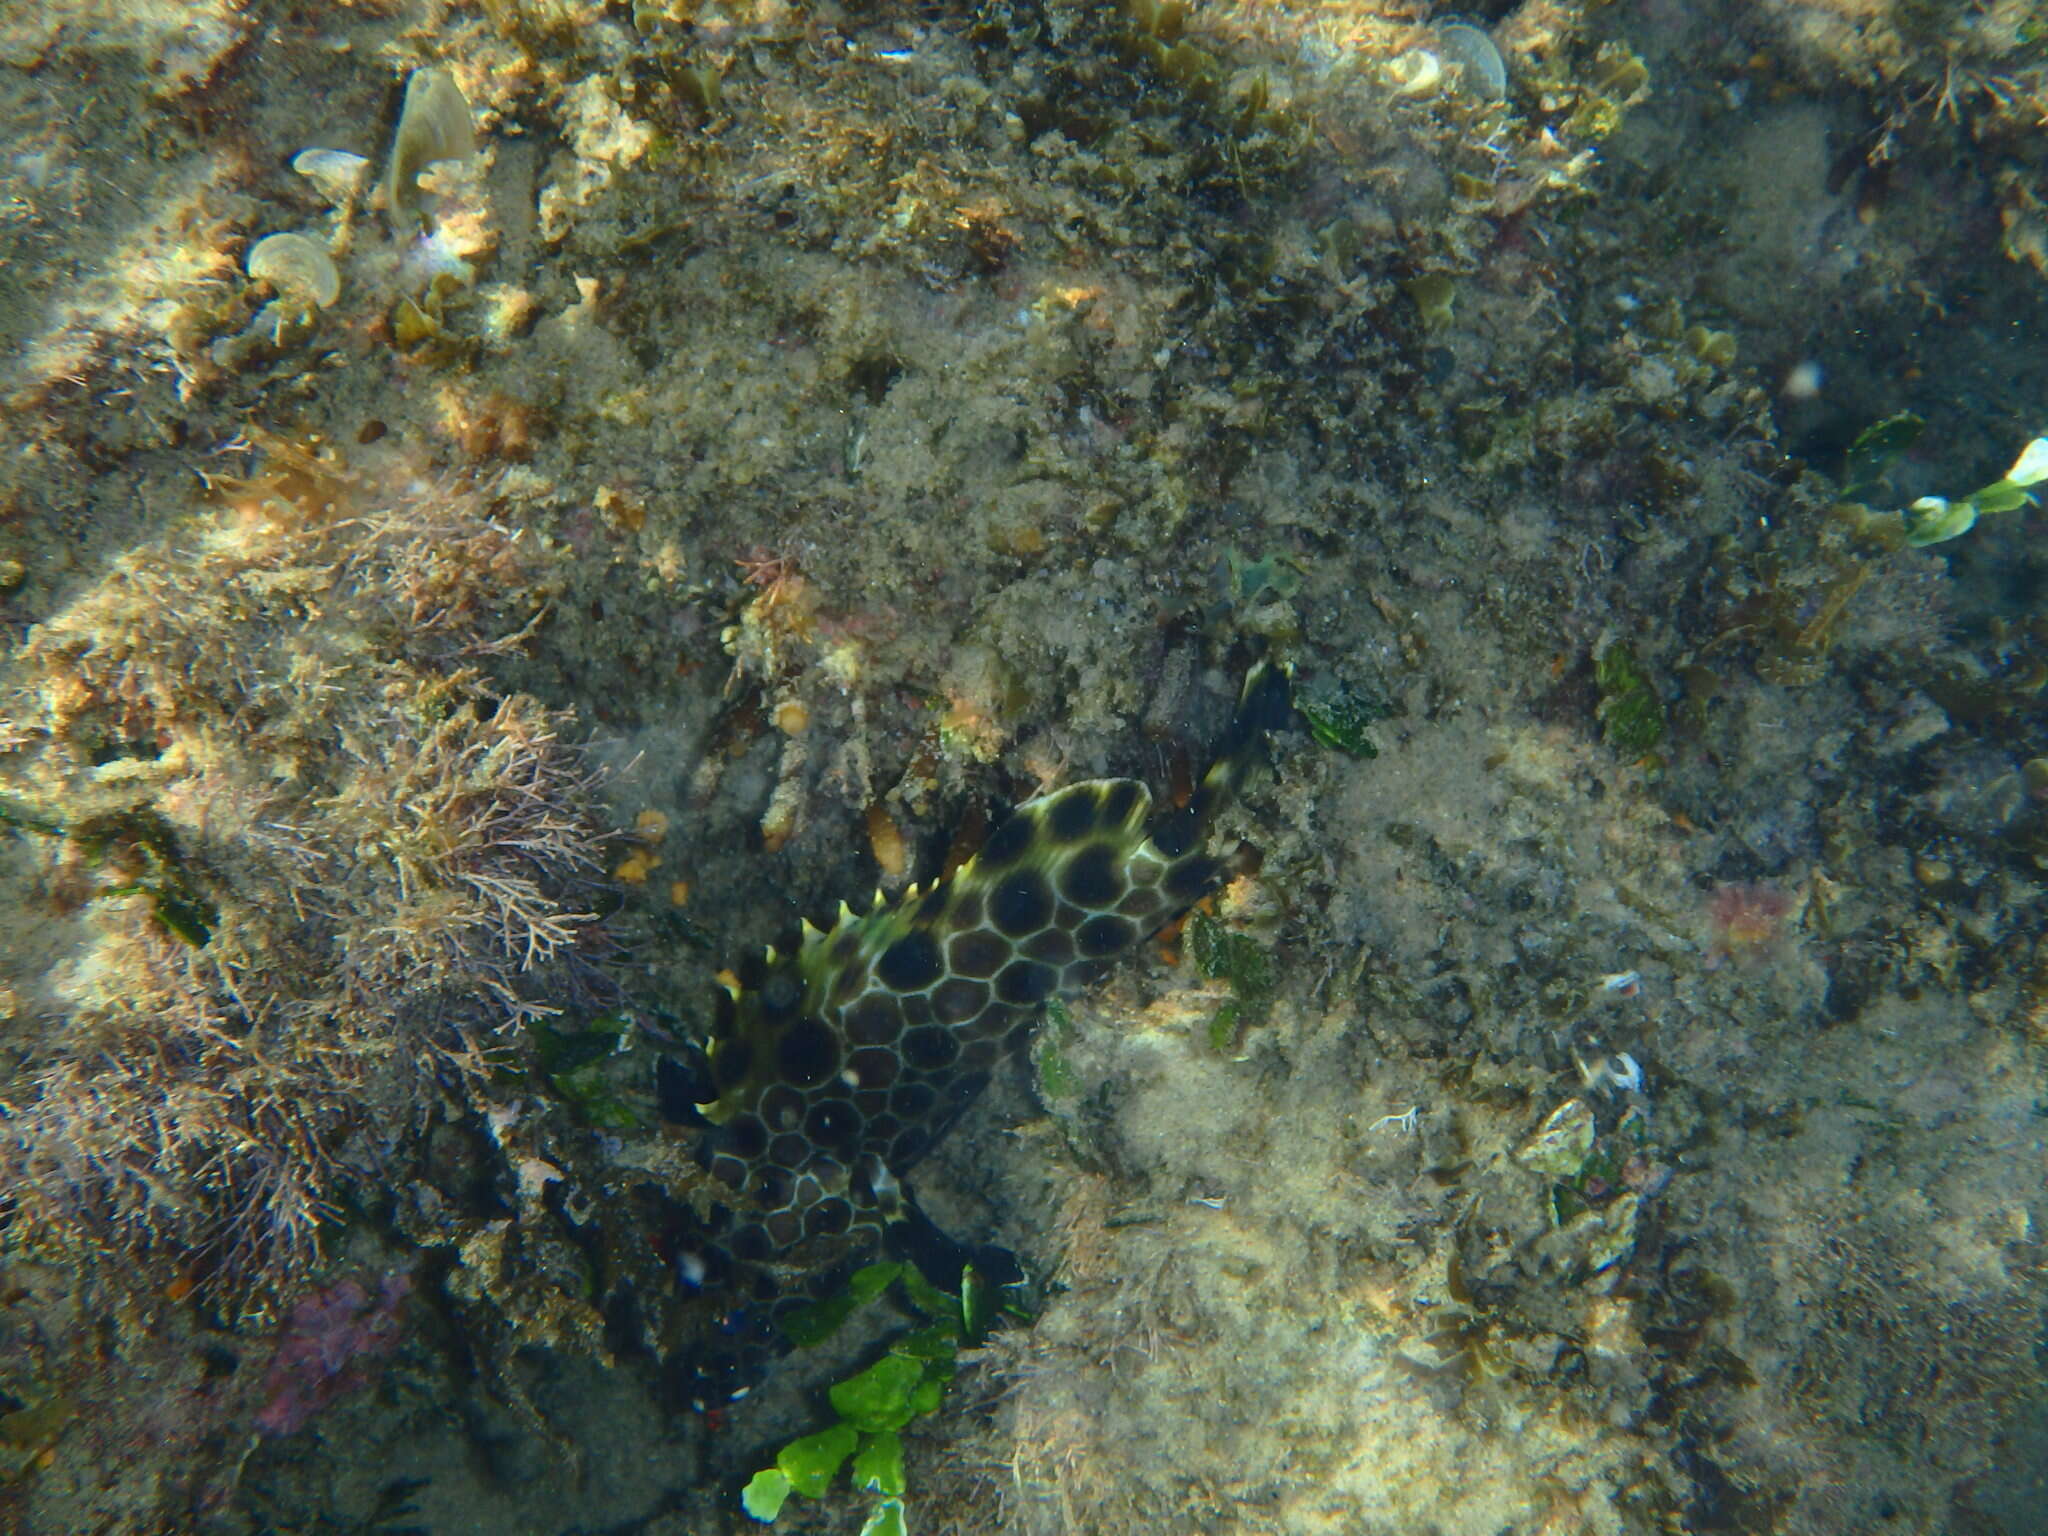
{"x": 329, "y": 1344}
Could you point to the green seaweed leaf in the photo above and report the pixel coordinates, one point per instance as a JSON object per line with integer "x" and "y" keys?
{"x": 1340, "y": 720}
{"x": 763, "y": 1496}
{"x": 925, "y": 1296}
{"x": 941, "y": 1341}
{"x": 1056, "y": 1079}
{"x": 575, "y": 1057}
{"x": 880, "y": 1398}
{"x": 1877, "y": 447}
{"x": 813, "y": 1324}
{"x": 878, "y": 1468}
{"x": 591, "y": 1092}
{"x": 885, "y": 1520}
{"x": 875, "y": 1403}
{"x": 1223, "y": 955}
{"x": 189, "y": 917}
{"x": 870, "y": 1280}
{"x": 1223, "y": 1026}
{"x": 561, "y": 1049}
{"x": 1631, "y": 714}
{"x": 811, "y": 1462}
{"x": 977, "y": 1306}
{"x": 185, "y": 914}
{"x": 926, "y": 1396}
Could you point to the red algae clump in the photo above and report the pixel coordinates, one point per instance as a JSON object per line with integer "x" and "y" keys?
{"x": 1746, "y": 917}
{"x": 331, "y": 1343}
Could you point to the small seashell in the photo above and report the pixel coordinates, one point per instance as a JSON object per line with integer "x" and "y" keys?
{"x": 886, "y": 842}
{"x": 1562, "y": 1143}
{"x": 1481, "y": 70}
{"x": 1416, "y": 72}
{"x": 298, "y": 266}
{"x": 337, "y": 173}
{"x": 433, "y": 125}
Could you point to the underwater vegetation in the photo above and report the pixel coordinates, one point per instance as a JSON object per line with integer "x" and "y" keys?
{"x": 1935, "y": 74}
{"x": 875, "y": 1403}
{"x": 1630, "y": 712}
{"x": 300, "y": 871}
{"x": 331, "y": 1342}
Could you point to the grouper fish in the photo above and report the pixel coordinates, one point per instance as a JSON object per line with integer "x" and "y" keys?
{"x": 834, "y": 1064}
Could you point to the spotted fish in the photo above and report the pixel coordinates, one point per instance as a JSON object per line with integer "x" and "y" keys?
{"x": 836, "y": 1063}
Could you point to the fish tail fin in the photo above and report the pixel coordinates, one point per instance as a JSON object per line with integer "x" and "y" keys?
{"x": 1265, "y": 704}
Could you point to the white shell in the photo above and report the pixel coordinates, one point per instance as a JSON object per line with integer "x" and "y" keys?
{"x": 297, "y": 265}
{"x": 1482, "y": 71}
{"x": 434, "y": 124}
{"x": 1416, "y": 72}
{"x": 336, "y": 172}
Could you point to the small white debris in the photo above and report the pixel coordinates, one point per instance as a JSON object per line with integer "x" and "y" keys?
{"x": 1621, "y": 1071}
{"x": 1803, "y": 381}
{"x": 1621, "y": 984}
{"x": 500, "y": 1118}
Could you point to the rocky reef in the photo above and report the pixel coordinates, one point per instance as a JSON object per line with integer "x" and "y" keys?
{"x": 509, "y": 506}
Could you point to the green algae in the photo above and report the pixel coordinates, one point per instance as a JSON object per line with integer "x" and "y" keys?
{"x": 576, "y": 1062}
{"x": 1876, "y": 449}
{"x": 1630, "y": 712}
{"x": 874, "y": 1404}
{"x": 176, "y": 900}
{"x": 1341, "y": 718}
{"x": 1056, "y": 1076}
{"x": 1221, "y": 954}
